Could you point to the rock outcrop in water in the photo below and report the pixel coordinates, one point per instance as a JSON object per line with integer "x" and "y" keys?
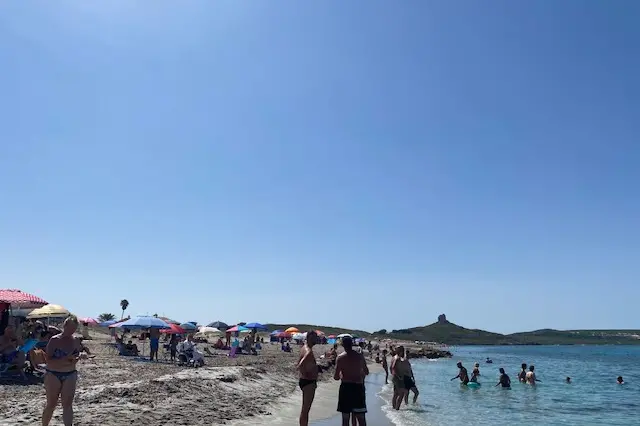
{"x": 427, "y": 352}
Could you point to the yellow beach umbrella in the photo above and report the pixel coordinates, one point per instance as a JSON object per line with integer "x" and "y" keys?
{"x": 292, "y": 330}
{"x": 49, "y": 311}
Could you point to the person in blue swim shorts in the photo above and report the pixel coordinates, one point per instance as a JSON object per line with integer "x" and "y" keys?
{"x": 154, "y": 342}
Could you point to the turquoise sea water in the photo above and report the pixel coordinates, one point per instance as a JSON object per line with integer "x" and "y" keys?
{"x": 593, "y": 398}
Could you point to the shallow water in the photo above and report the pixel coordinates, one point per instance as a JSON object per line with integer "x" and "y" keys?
{"x": 593, "y": 398}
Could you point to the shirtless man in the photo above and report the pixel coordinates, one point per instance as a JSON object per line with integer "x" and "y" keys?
{"x": 463, "y": 375}
{"x": 531, "y": 376}
{"x": 9, "y": 345}
{"x": 308, "y": 373}
{"x": 352, "y": 369}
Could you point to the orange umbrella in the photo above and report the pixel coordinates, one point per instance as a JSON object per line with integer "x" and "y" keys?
{"x": 292, "y": 330}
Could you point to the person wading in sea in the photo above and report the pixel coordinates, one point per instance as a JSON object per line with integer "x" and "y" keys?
{"x": 308, "y": 370}
{"x": 352, "y": 369}
{"x": 463, "y": 375}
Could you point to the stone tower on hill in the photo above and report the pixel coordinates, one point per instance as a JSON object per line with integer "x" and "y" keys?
{"x": 442, "y": 319}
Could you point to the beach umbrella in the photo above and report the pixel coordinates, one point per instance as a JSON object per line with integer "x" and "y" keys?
{"x": 331, "y": 336}
{"x": 173, "y": 329}
{"x": 256, "y": 326}
{"x": 342, "y": 336}
{"x": 189, "y": 326}
{"x": 116, "y": 324}
{"x": 169, "y": 320}
{"x": 292, "y": 330}
{"x": 219, "y": 325}
{"x": 107, "y": 323}
{"x": 89, "y": 321}
{"x": 319, "y": 333}
{"x": 237, "y": 328}
{"x": 49, "y": 311}
{"x": 20, "y": 299}
{"x": 282, "y": 334}
{"x": 299, "y": 336}
{"x": 142, "y": 322}
{"x": 209, "y": 330}
{"x": 276, "y": 332}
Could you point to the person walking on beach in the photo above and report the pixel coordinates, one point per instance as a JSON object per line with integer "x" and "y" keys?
{"x": 522, "y": 377}
{"x": 505, "y": 381}
{"x": 463, "y": 375}
{"x": 63, "y": 352}
{"x": 351, "y": 369}
{"x": 385, "y": 366}
{"x": 308, "y": 371}
{"x": 398, "y": 371}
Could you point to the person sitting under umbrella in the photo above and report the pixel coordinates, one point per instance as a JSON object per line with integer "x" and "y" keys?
{"x": 9, "y": 352}
{"x": 187, "y": 350}
{"x": 130, "y": 349}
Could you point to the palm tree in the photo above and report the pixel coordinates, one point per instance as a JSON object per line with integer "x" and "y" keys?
{"x": 124, "y": 304}
{"x": 106, "y": 317}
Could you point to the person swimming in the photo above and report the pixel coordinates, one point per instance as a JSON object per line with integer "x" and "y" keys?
{"x": 489, "y": 361}
{"x": 620, "y": 380}
{"x": 475, "y": 373}
{"x": 505, "y": 381}
{"x": 568, "y": 380}
{"x": 522, "y": 376}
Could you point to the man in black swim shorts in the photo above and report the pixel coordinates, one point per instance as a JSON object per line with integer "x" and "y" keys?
{"x": 351, "y": 368}
{"x": 308, "y": 370}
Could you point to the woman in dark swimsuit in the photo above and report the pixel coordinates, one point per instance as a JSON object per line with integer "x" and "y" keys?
{"x": 63, "y": 352}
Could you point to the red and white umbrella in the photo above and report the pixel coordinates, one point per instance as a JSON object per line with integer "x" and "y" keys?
{"x": 20, "y": 299}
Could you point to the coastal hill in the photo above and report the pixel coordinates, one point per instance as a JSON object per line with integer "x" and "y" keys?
{"x": 444, "y": 331}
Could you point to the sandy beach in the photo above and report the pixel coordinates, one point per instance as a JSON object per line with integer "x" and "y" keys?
{"x": 115, "y": 390}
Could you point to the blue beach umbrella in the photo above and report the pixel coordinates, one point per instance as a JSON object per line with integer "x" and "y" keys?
{"x": 143, "y": 322}
{"x": 189, "y": 326}
{"x": 276, "y": 332}
{"x": 255, "y": 325}
{"x": 107, "y": 323}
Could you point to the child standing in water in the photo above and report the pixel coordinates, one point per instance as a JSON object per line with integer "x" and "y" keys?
{"x": 475, "y": 373}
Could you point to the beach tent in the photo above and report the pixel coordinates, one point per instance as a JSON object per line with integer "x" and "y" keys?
{"x": 49, "y": 311}
{"x": 292, "y": 330}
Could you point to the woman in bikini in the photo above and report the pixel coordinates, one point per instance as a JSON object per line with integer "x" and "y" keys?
{"x": 63, "y": 352}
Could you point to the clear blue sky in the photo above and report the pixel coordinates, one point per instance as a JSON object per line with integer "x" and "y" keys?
{"x": 365, "y": 164}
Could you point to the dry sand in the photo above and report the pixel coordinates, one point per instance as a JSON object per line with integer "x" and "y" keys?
{"x": 115, "y": 391}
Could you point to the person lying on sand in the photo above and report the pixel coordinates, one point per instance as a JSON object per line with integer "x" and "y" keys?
{"x": 308, "y": 373}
